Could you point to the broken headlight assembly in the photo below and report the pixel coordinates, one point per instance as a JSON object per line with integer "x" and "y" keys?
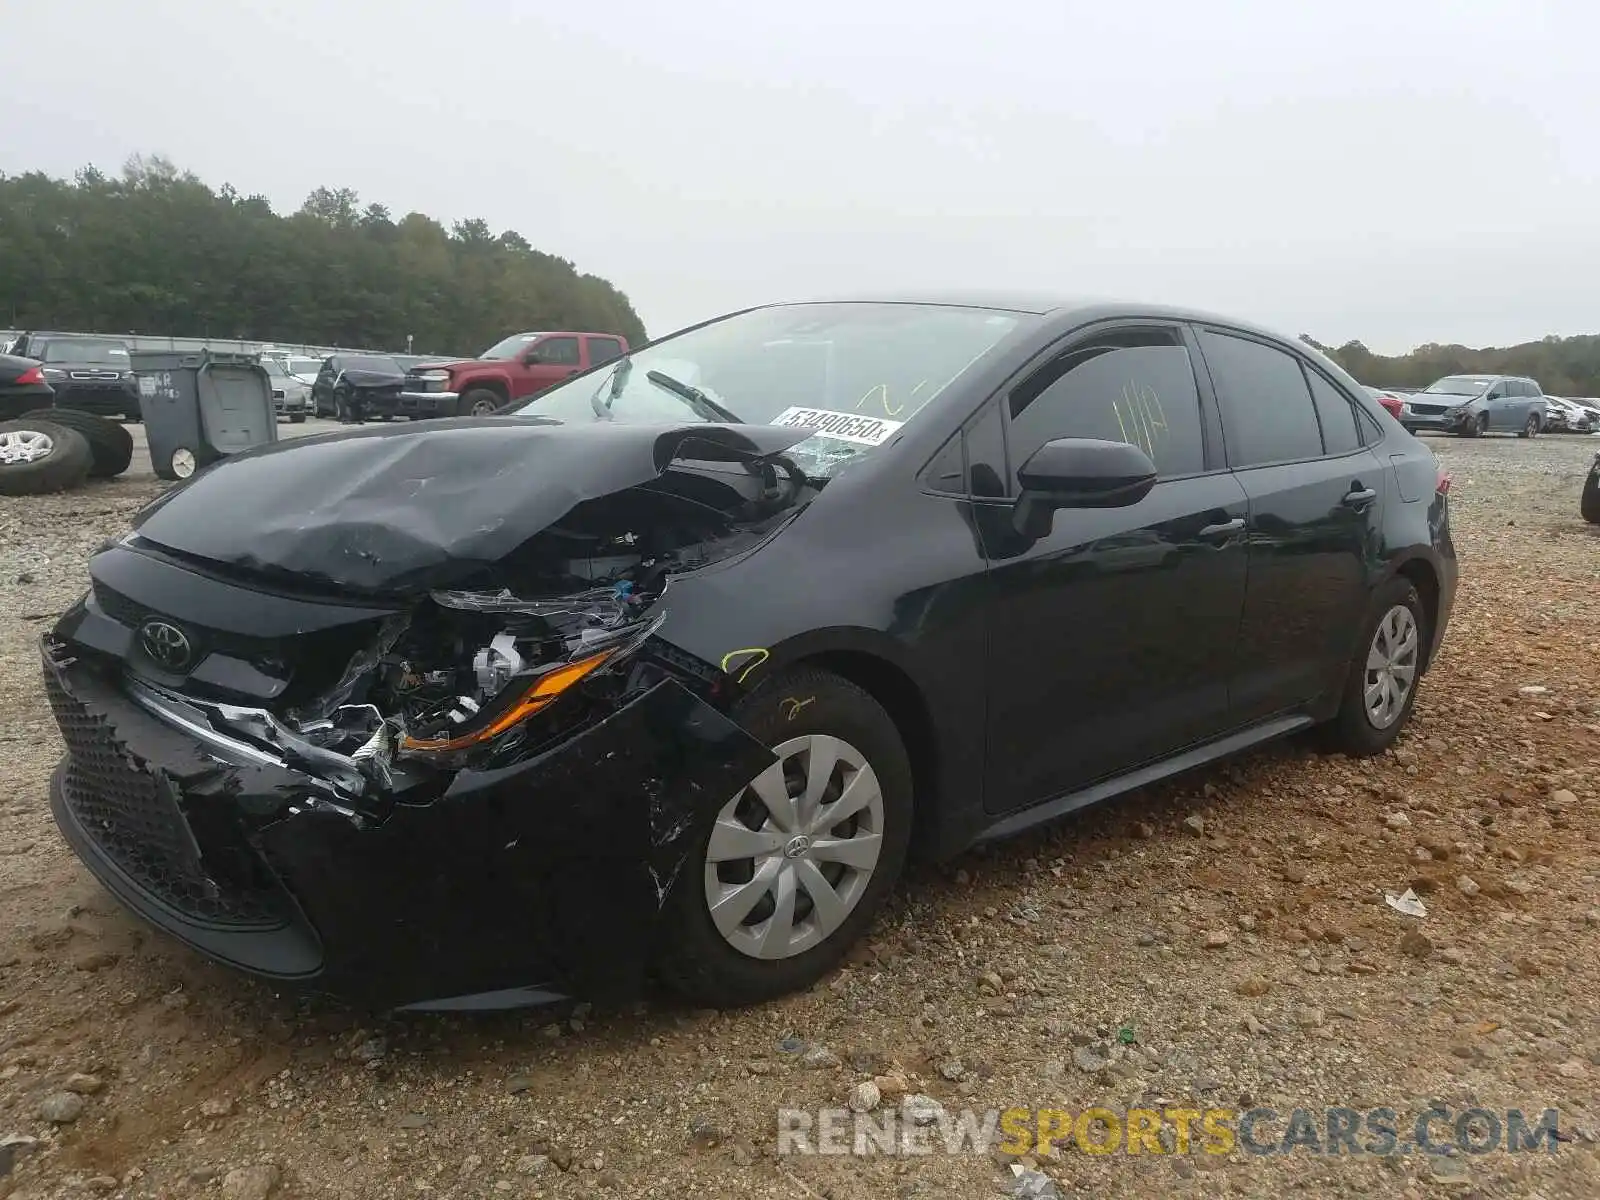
{"x": 511, "y": 682}
{"x": 462, "y": 680}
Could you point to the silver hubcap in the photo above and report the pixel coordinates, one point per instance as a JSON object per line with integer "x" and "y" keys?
{"x": 483, "y": 409}
{"x": 183, "y": 463}
{"x": 24, "y": 446}
{"x": 1391, "y": 666}
{"x": 792, "y": 853}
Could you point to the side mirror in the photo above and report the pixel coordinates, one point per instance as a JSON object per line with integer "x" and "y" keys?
{"x": 1085, "y": 473}
{"x": 532, "y": 356}
{"x": 1079, "y": 473}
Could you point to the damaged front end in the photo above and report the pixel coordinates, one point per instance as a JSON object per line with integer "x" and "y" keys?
{"x": 477, "y": 785}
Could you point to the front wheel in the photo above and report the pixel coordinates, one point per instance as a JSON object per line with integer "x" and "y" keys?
{"x": 1531, "y": 429}
{"x": 796, "y": 863}
{"x": 297, "y": 418}
{"x": 480, "y": 402}
{"x": 1476, "y": 427}
{"x": 1381, "y": 685}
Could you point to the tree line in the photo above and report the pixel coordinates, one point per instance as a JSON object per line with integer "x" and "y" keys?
{"x": 157, "y": 251}
{"x": 1564, "y": 366}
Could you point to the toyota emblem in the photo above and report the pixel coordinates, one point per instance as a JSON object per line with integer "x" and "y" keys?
{"x": 167, "y": 645}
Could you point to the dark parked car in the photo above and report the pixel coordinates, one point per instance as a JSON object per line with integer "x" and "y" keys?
{"x": 1589, "y": 499}
{"x": 671, "y": 667}
{"x": 355, "y": 386}
{"x": 22, "y": 386}
{"x": 1473, "y": 405}
{"x": 93, "y": 374}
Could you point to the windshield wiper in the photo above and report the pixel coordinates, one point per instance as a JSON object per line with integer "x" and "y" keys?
{"x": 694, "y": 397}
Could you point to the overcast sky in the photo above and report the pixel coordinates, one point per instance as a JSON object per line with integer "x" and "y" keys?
{"x": 1399, "y": 171}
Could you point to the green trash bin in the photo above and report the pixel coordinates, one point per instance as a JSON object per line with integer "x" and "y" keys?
{"x": 200, "y": 406}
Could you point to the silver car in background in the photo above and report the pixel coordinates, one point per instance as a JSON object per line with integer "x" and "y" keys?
{"x": 290, "y": 397}
{"x": 1473, "y": 405}
{"x": 1568, "y": 416}
{"x": 303, "y": 368}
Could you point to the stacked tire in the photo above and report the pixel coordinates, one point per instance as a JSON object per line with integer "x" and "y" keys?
{"x": 110, "y": 445}
{"x": 55, "y": 449}
{"x": 41, "y": 456}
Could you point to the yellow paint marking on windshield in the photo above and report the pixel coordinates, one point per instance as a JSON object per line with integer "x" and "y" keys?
{"x": 758, "y": 655}
{"x": 881, "y": 391}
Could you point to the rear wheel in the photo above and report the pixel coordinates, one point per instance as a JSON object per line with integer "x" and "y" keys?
{"x": 1531, "y": 428}
{"x": 41, "y": 456}
{"x": 1381, "y": 686}
{"x": 297, "y": 418}
{"x": 797, "y": 862}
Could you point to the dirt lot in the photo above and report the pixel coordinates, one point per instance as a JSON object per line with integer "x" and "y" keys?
{"x": 1221, "y": 942}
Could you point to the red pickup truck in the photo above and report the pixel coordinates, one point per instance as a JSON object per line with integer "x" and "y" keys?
{"x": 513, "y": 369}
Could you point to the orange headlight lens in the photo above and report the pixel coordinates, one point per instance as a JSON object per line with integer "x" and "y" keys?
{"x": 543, "y": 692}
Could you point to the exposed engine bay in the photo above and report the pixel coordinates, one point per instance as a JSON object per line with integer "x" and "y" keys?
{"x": 458, "y": 676}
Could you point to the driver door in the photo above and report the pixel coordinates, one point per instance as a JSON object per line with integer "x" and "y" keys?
{"x": 549, "y": 361}
{"x": 1112, "y": 637}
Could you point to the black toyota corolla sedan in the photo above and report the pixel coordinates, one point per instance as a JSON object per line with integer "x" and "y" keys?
{"x": 668, "y": 670}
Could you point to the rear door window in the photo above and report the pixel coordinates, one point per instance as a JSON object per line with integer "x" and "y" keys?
{"x": 1268, "y": 415}
{"x": 1336, "y": 415}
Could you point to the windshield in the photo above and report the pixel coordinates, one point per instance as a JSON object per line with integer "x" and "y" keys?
{"x": 304, "y": 366}
{"x": 511, "y": 347}
{"x": 273, "y": 367}
{"x": 854, "y": 372}
{"x": 1461, "y": 385}
{"x": 84, "y": 350}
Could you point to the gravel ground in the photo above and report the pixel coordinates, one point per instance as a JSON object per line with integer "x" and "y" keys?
{"x": 1219, "y": 942}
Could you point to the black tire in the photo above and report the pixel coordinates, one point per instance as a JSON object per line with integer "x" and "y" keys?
{"x": 297, "y": 418}
{"x": 479, "y": 402}
{"x": 1589, "y": 502}
{"x": 110, "y": 445}
{"x": 694, "y": 960}
{"x": 65, "y": 465}
{"x": 1531, "y": 428}
{"x": 1351, "y": 731}
{"x": 1477, "y": 427}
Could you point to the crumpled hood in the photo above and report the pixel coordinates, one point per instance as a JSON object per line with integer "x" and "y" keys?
{"x": 362, "y": 378}
{"x": 401, "y": 510}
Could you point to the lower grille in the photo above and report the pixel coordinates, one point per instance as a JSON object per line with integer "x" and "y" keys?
{"x": 133, "y": 815}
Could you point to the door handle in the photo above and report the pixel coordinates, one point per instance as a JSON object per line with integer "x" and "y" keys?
{"x": 1359, "y": 497}
{"x": 1222, "y": 530}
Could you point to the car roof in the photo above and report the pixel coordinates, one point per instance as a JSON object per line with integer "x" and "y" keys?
{"x": 1059, "y": 306}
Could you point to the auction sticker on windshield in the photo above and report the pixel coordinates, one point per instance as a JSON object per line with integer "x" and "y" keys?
{"x": 847, "y": 427}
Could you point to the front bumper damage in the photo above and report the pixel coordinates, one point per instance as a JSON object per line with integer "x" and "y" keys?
{"x": 482, "y": 888}
{"x": 428, "y": 746}
{"x": 425, "y": 404}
